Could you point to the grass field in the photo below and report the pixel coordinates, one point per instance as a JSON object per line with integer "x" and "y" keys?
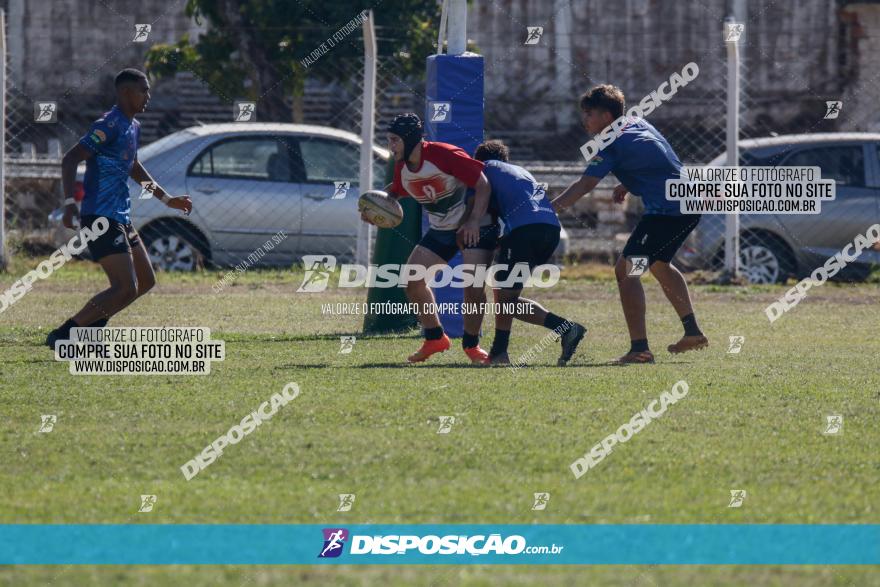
{"x": 365, "y": 423}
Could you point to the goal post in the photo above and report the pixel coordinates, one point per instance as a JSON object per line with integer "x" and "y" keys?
{"x": 454, "y": 116}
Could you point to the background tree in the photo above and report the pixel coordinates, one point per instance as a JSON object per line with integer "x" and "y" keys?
{"x": 254, "y": 48}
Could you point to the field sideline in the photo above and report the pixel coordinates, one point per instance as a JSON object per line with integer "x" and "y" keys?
{"x": 366, "y": 423}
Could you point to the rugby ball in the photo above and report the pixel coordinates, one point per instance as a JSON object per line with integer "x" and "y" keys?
{"x": 380, "y": 208}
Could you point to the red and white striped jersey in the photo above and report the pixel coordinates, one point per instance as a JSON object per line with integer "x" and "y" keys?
{"x": 440, "y": 183}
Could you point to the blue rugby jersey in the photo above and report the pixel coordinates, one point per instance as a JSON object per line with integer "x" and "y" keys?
{"x": 113, "y": 139}
{"x": 642, "y": 160}
{"x": 516, "y": 197}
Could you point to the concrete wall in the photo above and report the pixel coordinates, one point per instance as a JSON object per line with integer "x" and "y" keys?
{"x": 860, "y": 111}
{"x": 791, "y": 65}
{"x": 81, "y": 44}
{"x": 794, "y": 60}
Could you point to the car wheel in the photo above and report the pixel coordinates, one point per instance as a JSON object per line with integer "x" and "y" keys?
{"x": 763, "y": 259}
{"x": 170, "y": 250}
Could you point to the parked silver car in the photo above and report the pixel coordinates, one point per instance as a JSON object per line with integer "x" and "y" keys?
{"x": 247, "y": 183}
{"x": 774, "y": 247}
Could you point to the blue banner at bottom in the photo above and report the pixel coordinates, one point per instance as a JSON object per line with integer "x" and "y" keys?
{"x": 638, "y": 544}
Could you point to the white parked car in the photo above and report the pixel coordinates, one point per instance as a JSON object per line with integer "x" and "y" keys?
{"x": 247, "y": 183}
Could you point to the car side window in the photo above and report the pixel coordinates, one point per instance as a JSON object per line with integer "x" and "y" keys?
{"x": 749, "y": 159}
{"x": 326, "y": 160}
{"x": 843, "y": 164}
{"x": 260, "y": 158}
{"x": 202, "y": 166}
{"x": 877, "y": 154}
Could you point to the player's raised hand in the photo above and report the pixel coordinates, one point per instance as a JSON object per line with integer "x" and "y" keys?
{"x": 183, "y": 203}
{"x": 619, "y": 194}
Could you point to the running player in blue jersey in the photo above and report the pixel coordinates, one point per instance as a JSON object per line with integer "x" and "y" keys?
{"x": 110, "y": 152}
{"x": 642, "y": 160}
{"x": 531, "y": 234}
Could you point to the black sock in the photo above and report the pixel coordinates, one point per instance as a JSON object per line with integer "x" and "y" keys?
{"x": 469, "y": 341}
{"x": 553, "y": 322}
{"x": 499, "y": 345}
{"x": 434, "y": 333}
{"x": 638, "y": 346}
{"x": 99, "y": 323}
{"x": 690, "y": 326}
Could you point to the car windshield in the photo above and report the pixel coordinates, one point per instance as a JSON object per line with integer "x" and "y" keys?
{"x": 164, "y": 144}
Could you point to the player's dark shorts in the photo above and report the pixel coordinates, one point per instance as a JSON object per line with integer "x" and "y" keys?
{"x": 659, "y": 237}
{"x": 119, "y": 238}
{"x": 531, "y": 243}
{"x": 442, "y": 242}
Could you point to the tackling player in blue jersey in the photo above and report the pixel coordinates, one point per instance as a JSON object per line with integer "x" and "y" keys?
{"x": 110, "y": 152}
{"x": 642, "y": 160}
{"x": 531, "y": 234}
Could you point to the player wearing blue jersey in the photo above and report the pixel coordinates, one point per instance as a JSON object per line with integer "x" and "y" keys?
{"x": 531, "y": 234}
{"x": 642, "y": 160}
{"x": 109, "y": 149}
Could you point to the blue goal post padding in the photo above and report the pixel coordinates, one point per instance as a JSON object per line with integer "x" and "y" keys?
{"x": 454, "y": 114}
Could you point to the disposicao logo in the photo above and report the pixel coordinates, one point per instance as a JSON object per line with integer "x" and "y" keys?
{"x": 334, "y": 540}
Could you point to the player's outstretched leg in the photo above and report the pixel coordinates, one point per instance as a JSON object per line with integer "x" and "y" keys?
{"x": 470, "y": 340}
{"x": 503, "y": 323}
{"x": 126, "y": 263}
{"x": 98, "y": 310}
{"x": 475, "y": 297}
{"x": 676, "y": 290}
{"x": 418, "y": 292}
{"x": 514, "y": 306}
{"x": 533, "y": 245}
{"x": 632, "y": 298}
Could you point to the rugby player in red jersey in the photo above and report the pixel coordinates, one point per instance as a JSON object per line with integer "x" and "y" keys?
{"x": 438, "y": 176}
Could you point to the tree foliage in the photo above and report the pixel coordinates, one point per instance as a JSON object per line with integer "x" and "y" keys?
{"x": 255, "y": 48}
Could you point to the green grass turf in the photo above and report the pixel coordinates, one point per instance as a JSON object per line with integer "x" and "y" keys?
{"x": 366, "y": 423}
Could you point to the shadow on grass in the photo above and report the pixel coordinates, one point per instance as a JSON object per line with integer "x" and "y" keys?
{"x": 404, "y": 365}
{"x": 11, "y": 341}
{"x": 48, "y": 360}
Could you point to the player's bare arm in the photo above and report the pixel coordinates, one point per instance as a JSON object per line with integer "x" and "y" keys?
{"x": 470, "y": 229}
{"x": 140, "y": 174}
{"x": 69, "y": 163}
{"x": 575, "y": 192}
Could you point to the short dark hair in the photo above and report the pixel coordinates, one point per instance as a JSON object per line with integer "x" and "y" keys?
{"x": 492, "y": 150}
{"x": 605, "y": 97}
{"x": 128, "y": 75}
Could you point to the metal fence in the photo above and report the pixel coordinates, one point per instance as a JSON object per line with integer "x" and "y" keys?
{"x": 787, "y": 88}
{"x": 250, "y": 180}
